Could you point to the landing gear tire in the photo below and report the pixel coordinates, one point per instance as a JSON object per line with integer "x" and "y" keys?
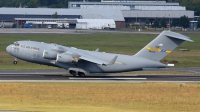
{"x": 73, "y": 73}
{"x": 14, "y": 62}
{"x": 81, "y": 74}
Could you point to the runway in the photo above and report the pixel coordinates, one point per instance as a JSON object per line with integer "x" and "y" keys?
{"x": 63, "y": 31}
{"x": 63, "y": 76}
{"x": 41, "y": 31}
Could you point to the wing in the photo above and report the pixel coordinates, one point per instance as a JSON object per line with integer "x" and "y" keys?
{"x": 81, "y": 55}
{"x": 90, "y": 58}
{"x": 97, "y": 60}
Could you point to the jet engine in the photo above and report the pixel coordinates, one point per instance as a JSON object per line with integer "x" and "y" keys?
{"x": 64, "y": 58}
{"x": 49, "y": 54}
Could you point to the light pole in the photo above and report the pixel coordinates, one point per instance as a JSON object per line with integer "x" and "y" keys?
{"x": 136, "y": 18}
{"x": 169, "y": 21}
{"x": 25, "y": 15}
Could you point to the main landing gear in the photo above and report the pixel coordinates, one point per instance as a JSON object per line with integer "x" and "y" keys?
{"x": 74, "y": 73}
{"x": 15, "y": 61}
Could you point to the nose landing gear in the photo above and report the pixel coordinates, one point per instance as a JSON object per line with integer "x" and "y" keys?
{"x": 15, "y": 61}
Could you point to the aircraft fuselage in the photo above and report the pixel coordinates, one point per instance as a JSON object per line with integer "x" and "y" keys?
{"x": 33, "y": 51}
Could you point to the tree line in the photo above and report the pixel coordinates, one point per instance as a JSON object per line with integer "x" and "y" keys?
{"x": 190, "y": 4}
{"x": 183, "y": 22}
{"x": 37, "y": 3}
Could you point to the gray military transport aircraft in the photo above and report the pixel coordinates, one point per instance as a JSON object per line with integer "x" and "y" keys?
{"x": 81, "y": 62}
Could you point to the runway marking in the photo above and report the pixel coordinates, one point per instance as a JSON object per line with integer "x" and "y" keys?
{"x": 10, "y": 75}
{"x": 98, "y": 81}
{"x": 22, "y": 76}
{"x": 107, "y": 78}
{"x": 45, "y": 73}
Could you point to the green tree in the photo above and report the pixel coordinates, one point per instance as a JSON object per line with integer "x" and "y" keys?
{"x": 198, "y": 23}
{"x": 147, "y": 22}
{"x": 155, "y": 23}
{"x": 32, "y": 4}
{"x": 35, "y": 3}
{"x": 55, "y": 15}
{"x": 28, "y": 3}
{"x": 174, "y": 24}
{"x": 184, "y": 22}
{"x": 163, "y": 23}
{"x": 190, "y": 5}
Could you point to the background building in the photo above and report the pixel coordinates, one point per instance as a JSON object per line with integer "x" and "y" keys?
{"x": 122, "y": 12}
{"x": 65, "y": 23}
{"x": 8, "y": 14}
{"x": 138, "y": 11}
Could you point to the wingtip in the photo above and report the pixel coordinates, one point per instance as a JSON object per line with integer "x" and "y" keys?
{"x": 113, "y": 60}
{"x": 191, "y": 41}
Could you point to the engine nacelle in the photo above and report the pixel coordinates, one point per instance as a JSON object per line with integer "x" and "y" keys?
{"x": 64, "y": 58}
{"x": 49, "y": 54}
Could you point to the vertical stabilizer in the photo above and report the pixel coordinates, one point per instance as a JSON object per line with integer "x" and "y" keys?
{"x": 162, "y": 45}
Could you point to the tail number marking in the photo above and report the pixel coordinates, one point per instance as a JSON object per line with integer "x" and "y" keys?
{"x": 154, "y": 50}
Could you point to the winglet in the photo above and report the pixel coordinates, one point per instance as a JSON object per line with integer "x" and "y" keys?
{"x": 113, "y": 60}
{"x": 97, "y": 50}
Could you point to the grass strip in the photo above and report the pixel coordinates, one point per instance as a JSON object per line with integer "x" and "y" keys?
{"x": 100, "y": 97}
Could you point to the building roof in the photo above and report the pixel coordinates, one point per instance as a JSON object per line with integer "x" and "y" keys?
{"x": 85, "y": 13}
{"x": 51, "y": 19}
{"x": 157, "y": 14}
{"x": 133, "y": 1}
{"x": 47, "y": 19}
{"x": 126, "y": 3}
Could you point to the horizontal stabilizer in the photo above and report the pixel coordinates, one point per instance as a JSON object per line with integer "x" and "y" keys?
{"x": 178, "y": 36}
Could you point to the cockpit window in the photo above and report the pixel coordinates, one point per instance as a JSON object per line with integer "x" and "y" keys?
{"x": 16, "y": 43}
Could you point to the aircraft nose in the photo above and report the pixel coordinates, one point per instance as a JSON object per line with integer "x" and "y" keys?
{"x": 8, "y": 48}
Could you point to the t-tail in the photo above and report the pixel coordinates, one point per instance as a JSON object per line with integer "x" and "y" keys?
{"x": 162, "y": 45}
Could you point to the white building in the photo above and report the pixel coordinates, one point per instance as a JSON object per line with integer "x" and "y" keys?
{"x": 95, "y": 24}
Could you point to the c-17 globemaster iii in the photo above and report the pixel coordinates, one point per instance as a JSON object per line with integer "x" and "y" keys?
{"x": 80, "y": 62}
